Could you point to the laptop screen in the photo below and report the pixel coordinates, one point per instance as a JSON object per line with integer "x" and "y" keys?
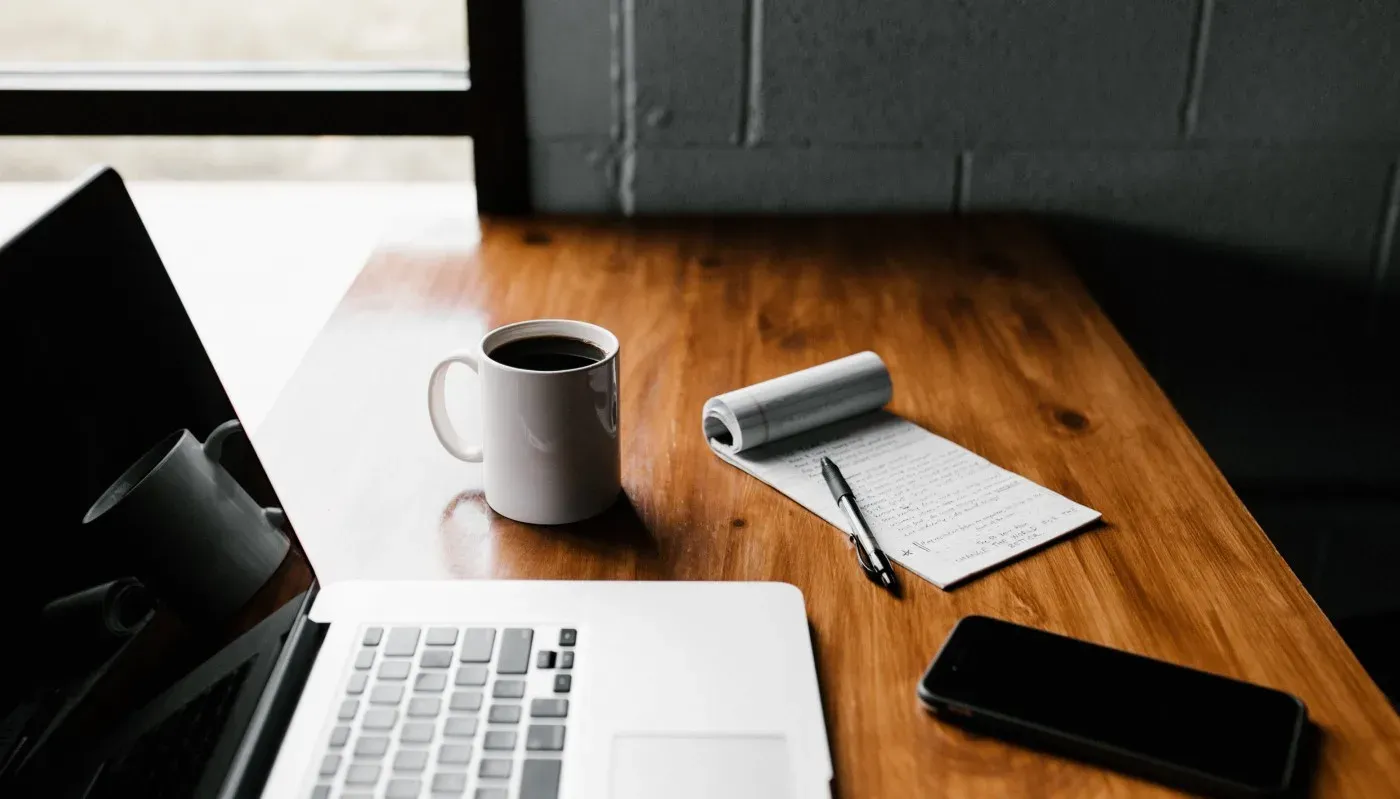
{"x": 141, "y": 535}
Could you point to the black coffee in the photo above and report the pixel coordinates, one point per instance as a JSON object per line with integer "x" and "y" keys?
{"x": 547, "y": 353}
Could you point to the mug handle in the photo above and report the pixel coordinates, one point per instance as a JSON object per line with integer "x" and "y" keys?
{"x": 214, "y": 450}
{"x": 437, "y": 407}
{"x": 214, "y": 444}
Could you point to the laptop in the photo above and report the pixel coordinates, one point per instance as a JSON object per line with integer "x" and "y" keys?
{"x": 116, "y": 684}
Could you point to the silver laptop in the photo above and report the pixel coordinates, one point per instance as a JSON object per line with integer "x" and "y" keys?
{"x": 116, "y": 684}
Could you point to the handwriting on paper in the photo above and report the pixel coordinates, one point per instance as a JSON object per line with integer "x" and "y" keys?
{"x": 940, "y": 510}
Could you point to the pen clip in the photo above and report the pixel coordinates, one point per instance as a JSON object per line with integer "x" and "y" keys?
{"x": 863, "y": 559}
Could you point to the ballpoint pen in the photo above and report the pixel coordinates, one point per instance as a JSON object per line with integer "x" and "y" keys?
{"x": 872, "y": 560}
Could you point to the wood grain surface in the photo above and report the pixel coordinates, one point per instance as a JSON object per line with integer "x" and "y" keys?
{"x": 992, "y": 342}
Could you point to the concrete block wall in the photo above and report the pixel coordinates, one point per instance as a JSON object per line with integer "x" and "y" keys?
{"x": 1267, "y": 126}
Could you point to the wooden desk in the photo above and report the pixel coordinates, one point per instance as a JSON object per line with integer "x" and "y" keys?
{"x": 992, "y": 342}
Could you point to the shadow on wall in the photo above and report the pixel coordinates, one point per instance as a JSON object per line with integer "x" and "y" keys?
{"x": 1305, "y": 353}
{"x": 1285, "y": 374}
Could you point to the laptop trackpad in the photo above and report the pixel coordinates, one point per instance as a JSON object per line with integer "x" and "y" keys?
{"x": 696, "y": 766}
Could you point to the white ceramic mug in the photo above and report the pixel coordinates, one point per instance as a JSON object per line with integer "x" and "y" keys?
{"x": 549, "y": 439}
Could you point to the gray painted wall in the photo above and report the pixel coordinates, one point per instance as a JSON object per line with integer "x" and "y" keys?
{"x": 1272, "y": 126}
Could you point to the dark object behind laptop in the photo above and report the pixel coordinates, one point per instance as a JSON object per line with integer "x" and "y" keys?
{"x": 102, "y": 362}
{"x": 196, "y": 537}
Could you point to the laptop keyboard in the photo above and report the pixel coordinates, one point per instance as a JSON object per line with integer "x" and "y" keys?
{"x": 451, "y": 711}
{"x": 169, "y": 759}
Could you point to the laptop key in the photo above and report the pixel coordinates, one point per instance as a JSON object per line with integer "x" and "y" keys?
{"x": 454, "y": 754}
{"x": 321, "y": 792}
{"x": 380, "y": 718}
{"x": 566, "y": 659}
{"x": 450, "y": 782}
{"x": 365, "y": 659}
{"x": 362, "y": 774}
{"x": 416, "y": 733}
{"x": 430, "y": 683}
{"x": 471, "y": 675}
{"x": 539, "y": 779}
{"x": 499, "y": 739}
{"x": 436, "y": 658}
{"x": 357, "y": 683}
{"x": 460, "y": 727}
{"x": 504, "y": 714}
{"x": 403, "y": 642}
{"x": 466, "y": 700}
{"x": 477, "y": 644}
{"x": 394, "y": 670}
{"x": 403, "y": 789}
{"x": 515, "y": 650}
{"x": 330, "y": 764}
{"x": 545, "y": 659}
{"x": 348, "y": 709}
{"x": 410, "y": 760}
{"x": 424, "y": 706}
{"x": 562, "y": 683}
{"x": 545, "y": 738}
{"x": 453, "y": 782}
{"x": 508, "y": 689}
{"x": 339, "y": 736}
{"x": 494, "y": 792}
{"x": 549, "y": 708}
{"x": 568, "y": 637}
{"x": 372, "y": 636}
{"x": 441, "y": 636}
{"x": 371, "y": 746}
{"x": 494, "y": 769}
{"x": 386, "y": 695}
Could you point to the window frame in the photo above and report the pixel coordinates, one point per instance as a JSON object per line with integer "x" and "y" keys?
{"x": 487, "y": 103}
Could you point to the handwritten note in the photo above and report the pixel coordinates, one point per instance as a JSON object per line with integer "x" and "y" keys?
{"x": 936, "y": 508}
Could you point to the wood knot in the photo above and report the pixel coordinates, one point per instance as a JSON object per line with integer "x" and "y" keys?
{"x": 795, "y": 340}
{"x": 998, "y": 264}
{"x": 1071, "y": 420}
{"x": 537, "y": 238}
{"x": 738, "y": 523}
{"x": 710, "y": 262}
{"x": 1032, "y": 324}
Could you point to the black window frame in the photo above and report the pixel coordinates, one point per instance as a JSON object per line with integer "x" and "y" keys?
{"x": 487, "y": 104}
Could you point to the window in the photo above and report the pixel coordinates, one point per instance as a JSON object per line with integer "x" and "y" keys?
{"x": 241, "y": 158}
{"x": 308, "y": 32}
{"x": 279, "y": 68}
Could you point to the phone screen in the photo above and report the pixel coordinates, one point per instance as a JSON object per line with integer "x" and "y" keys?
{"x": 1218, "y": 726}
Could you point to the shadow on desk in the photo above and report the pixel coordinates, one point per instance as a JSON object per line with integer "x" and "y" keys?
{"x": 1280, "y": 368}
{"x": 619, "y": 527}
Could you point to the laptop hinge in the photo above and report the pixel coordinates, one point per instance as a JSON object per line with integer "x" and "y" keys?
{"x": 253, "y": 760}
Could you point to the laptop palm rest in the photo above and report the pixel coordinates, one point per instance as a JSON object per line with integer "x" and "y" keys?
{"x": 679, "y": 766}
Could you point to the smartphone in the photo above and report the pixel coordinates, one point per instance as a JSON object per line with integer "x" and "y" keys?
{"x": 1178, "y": 726}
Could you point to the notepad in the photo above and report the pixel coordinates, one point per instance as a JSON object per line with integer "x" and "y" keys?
{"x": 939, "y": 510}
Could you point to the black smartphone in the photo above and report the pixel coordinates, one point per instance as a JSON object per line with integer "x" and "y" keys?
{"x": 1174, "y": 725}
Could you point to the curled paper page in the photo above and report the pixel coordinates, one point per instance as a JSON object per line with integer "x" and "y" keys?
{"x": 795, "y": 403}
